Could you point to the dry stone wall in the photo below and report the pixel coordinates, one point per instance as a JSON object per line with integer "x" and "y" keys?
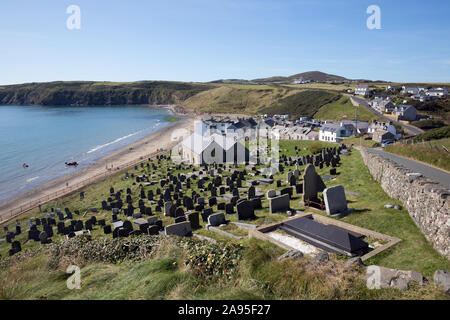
{"x": 427, "y": 202}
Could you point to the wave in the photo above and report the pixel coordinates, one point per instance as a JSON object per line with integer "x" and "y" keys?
{"x": 32, "y": 179}
{"x": 112, "y": 142}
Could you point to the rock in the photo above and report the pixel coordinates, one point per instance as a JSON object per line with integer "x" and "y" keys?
{"x": 294, "y": 254}
{"x": 319, "y": 258}
{"x": 389, "y": 205}
{"x": 396, "y": 207}
{"x": 380, "y": 277}
{"x": 442, "y": 278}
{"x": 354, "y": 261}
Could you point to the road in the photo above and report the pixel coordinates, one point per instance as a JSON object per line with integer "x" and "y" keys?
{"x": 427, "y": 171}
{"x": 413, "y": 130}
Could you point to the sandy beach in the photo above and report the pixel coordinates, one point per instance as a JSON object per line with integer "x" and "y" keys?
{"x": 109, "y": 164}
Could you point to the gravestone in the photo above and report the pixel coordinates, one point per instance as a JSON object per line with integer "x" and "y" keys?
{"x": 279, "y": 204}
{"x": 271, "y": 193}
{"x": 179, "y": 212}
{"x": 153, "y": 230}
{"x": 335, "y": 200}
{"x": 206, "y": 213}
{"x": 312, "y": 184}
{"x": 168, "y": 211}
{"x": 299, "y": 188}
{"x": 216, "y": 219}
{"x": 288, "y": 191}
{"x": 257, "y": 204}
{"x": 181, "y": 229}
{"x": 180, "y": 219}
{"x": 245, "y": 210}
{"x": 229, "y": 208}
{"x": 251, "y": 192}
{"x": 193, "y": 218}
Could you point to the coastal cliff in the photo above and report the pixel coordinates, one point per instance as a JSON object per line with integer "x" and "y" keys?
{"x": 99, "y": 93}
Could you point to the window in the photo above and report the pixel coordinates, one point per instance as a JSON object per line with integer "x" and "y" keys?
{"x": 213, "y": 153}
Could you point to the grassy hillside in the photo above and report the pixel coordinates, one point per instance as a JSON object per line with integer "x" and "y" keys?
{"x": 304, "y": 103}
{"x": 231, "y": 269}
{"x": 99, "y": 93}
{"x": 434, "y": 134}
{"x": 343, "y": 109}
{"x": 237, "y": 98}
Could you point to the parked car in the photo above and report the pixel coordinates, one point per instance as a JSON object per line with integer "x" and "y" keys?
{"x": 387, "y": 142}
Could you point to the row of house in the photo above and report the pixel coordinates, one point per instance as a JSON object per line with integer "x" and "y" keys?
{"x": 384, "y": 105}
{"x": 219, "y": 141}
{"x": 336, "y": 132}
{"x": 424, "y": 93}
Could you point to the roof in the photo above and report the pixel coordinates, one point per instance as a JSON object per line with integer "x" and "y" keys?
{"x": 330, "y": 127}
{"x": 198, "y": 143}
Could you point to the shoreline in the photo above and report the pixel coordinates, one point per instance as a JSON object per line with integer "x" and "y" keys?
{"x": 117, "y": 160}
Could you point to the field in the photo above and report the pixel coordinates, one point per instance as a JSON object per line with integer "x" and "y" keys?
{"x": 432, "y": 152}
{"x": 343, "y": 109}
{"x": 244, "y": 269}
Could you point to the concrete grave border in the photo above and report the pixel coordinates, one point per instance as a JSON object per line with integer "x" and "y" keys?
{"x": 259, "y": 233}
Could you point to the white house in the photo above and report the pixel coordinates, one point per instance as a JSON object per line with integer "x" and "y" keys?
{"x": 333, "y": 132}
{"x": 409, "y": 90}
{"x": 437, "y": 92}
{"x": 362, "y": 90}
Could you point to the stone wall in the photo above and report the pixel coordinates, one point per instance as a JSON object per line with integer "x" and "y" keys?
{"x": 426, "y": 201}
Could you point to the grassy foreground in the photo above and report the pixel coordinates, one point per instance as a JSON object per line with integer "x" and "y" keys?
{"x": 175, "y": 268}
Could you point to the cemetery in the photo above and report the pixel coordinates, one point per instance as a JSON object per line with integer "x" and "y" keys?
{"x": 245, "y": 208}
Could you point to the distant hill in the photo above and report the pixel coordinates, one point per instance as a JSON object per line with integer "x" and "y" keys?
{"x": 310, "y": 75}
{"x": 318, "y": 76}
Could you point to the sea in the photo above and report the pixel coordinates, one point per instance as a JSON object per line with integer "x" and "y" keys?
{"x": 45, "y": 137}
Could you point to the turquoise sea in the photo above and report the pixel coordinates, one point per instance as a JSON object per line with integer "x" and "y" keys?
{"x": 47, "y": 137}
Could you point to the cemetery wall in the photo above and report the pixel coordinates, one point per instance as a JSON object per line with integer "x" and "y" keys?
{"x": 427, "y": 202}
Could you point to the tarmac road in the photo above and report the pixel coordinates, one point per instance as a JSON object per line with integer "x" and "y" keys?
{"x": 427, "y": 171}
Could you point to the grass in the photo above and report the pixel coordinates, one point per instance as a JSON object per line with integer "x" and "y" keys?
{"x": 343, "y": 109}
{"x": 304, "y": 103}
{"x": 259, "y": 275}
{"x": 431, "y": 152}
{"x": 434, "y": 134}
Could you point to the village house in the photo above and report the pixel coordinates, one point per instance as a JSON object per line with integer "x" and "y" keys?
{"x": 332, "y": 132}
{"x": 362, "y": 90}
{"x": 382, "y": 105}
{"x": 379, "y": 129}
{"x": 437, "y": 92}
{"x": 355, "y": 126}
{"x": 409, "y": 90}
{"x": 405, "y": 112}
{"x": 381, "y": 135}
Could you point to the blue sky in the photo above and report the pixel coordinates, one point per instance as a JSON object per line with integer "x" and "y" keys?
{"x": 205, "y": 40}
